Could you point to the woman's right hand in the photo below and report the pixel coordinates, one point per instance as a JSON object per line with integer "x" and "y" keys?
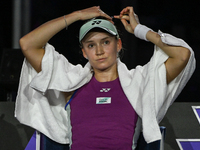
{"x": 92, "y": 12}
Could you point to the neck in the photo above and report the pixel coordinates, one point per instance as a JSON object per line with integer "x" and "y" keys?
{"x": 106, "y": 75}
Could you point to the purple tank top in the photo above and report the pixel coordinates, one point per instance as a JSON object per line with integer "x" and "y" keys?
{"x": 102, "y": 117}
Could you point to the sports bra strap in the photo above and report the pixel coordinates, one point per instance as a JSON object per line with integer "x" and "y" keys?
{"x": 70, "y": 99}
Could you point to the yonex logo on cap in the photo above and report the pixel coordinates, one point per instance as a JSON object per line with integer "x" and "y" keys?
{"x": 96, "y": 22}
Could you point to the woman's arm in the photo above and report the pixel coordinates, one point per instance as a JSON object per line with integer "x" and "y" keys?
{"x": 32, "y": 44}
{"x": 178, "y": 56}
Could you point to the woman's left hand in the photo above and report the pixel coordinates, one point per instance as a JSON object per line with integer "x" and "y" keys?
{"x": 128, "y": 18}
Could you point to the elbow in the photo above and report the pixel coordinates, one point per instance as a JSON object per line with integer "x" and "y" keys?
{"x": 23, "y": 44}
{"x": 185, "y": 55}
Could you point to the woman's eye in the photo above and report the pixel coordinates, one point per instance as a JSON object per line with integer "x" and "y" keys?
{"x": 90, "y": 46}
{"x": 106, "y": 42}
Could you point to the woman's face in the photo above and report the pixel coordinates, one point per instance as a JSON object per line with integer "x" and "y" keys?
{"x": 101, "y": 49}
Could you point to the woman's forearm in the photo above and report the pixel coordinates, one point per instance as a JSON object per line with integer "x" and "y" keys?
{"x": 172, "y": 51}
{"x": 178, "y": 56}
{"x": 41, "y": 35}
{"x": 32, "y": 44}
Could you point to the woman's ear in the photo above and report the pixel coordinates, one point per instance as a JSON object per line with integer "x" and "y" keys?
{"x": 84, "y": 54}
{"x": 119, "y": 45}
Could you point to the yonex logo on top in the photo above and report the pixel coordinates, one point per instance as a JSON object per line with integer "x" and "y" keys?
{"x": 105, "y": 89}
{"x": 96, "y": 22}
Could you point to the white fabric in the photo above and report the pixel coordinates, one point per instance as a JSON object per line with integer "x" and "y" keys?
{"x": 140, "y": 31}
{"x": 40, "y": 104}
{"x": 38, "y": 137}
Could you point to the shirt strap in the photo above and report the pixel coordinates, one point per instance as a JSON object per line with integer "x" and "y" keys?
{"x": 70, "y": 99}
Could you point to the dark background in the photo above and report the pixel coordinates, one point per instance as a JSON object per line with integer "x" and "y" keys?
{"x": 179, "y": 18}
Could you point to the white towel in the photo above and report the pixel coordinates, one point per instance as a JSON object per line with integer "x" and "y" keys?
{"x": 40, "y": 104}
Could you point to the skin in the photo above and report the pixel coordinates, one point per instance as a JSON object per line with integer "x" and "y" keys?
{"x": 101, "y": 50}
{"x": 178, "y": 56}
{"x": 105, "y": 69}
{"x": 32, "y": 44}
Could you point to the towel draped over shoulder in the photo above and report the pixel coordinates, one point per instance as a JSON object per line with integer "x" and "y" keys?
{"x": 40, "y": 102}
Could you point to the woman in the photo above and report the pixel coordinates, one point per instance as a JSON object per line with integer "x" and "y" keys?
{"x": 110, "y": 101}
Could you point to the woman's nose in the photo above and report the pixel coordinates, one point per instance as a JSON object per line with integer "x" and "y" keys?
{"x": 99, "y": 50}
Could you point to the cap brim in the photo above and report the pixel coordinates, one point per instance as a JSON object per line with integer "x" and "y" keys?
{"x": 106, "y": 29}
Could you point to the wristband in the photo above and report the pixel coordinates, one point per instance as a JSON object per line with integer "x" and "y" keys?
{"x": 140, "y": 31}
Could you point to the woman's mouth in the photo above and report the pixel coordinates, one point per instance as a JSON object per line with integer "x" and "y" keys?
{"x": 101, "y": 59}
